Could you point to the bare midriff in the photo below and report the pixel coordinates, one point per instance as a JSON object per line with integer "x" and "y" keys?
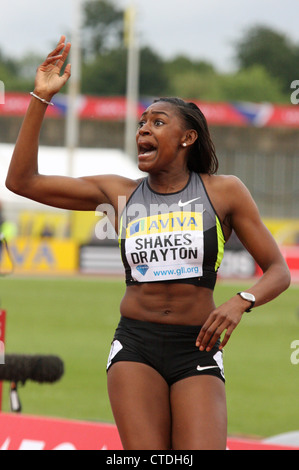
{"x": 170, "y": 303}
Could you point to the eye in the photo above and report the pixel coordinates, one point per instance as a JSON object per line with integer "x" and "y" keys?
{"x": 140, "y": 124}
{"x": 159, "y": 123}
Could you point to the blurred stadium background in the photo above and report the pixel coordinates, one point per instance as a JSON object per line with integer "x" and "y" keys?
{"x": 63, "y": 296}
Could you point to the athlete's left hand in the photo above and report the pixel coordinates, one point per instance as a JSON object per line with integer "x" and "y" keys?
{"x": 225, "y": 317}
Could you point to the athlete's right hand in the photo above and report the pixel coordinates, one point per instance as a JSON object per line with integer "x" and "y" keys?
{"x": 48, "y": 80}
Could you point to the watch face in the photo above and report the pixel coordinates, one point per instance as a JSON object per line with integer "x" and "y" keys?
{"x": 247, "y": 296}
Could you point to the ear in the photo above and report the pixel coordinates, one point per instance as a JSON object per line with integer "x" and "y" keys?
{"x": 190, "y": 137}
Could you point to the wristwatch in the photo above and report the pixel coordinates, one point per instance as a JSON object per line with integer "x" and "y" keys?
{"x": 249, "y": 297}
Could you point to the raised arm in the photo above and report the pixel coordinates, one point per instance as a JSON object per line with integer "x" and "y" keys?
{"x": 23, "y": 178}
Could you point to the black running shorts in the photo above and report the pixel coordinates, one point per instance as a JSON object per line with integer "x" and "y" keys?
{"x": 169, "y": 349}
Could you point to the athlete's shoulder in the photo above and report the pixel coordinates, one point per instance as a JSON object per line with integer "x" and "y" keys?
{"x": 228, "y": 193}
{"x": 223, "y": 183}
{"x": 120, "y": 180}
{"x": 116, "y": 184}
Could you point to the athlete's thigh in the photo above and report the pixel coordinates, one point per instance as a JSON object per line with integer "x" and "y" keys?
{"x": 199, "y": 416}
{"x": 139, "y": 398}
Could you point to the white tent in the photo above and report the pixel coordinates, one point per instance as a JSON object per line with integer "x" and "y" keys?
{"x": 55, "y": 160}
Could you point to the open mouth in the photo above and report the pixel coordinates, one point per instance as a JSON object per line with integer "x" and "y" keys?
{"x": 146, "y": 149}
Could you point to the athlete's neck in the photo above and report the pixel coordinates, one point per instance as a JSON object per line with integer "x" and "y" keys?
{"x": 168, "y": 183}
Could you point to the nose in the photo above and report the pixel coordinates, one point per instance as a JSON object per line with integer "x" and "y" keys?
{"x": 144, "y": 129}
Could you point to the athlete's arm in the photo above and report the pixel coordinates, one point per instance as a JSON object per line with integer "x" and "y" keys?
{"x": 23, "y": 178}
{"x": 259, "y": 242}
{"x": 246, "y": 221}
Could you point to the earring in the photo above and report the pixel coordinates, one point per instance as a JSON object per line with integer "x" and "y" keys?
{"x": 184, "y": 144}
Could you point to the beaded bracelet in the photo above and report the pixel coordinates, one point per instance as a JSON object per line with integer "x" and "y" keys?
{"x": 41, "y": 99}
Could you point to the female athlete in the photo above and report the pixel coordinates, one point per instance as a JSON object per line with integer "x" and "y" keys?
{"x": 165, "y": 370}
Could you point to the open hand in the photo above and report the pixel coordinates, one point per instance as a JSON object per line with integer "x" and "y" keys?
{"x": 48, "y": 80}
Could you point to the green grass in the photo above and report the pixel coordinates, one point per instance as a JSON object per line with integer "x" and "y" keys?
{"x": 262, "y": 383}
{"x": 75, "y": 318}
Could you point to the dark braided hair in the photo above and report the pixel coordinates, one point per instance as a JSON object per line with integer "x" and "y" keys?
{"x": 202, "y": 156}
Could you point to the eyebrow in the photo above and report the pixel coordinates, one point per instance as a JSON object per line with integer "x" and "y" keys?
{"x": 155, "y": 112}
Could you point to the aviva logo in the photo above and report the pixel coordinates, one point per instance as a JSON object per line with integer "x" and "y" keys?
{"x": 165, "y": 223}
